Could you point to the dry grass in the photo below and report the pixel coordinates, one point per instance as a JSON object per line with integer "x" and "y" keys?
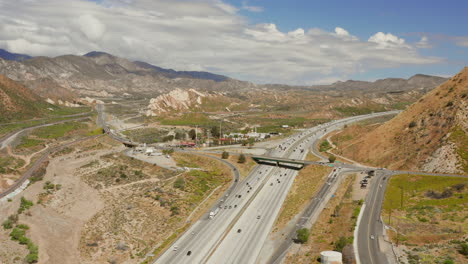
{"x": 406, "y": 141}
{"x": 329, "y": 228}
{"x": 147, "y": 214}
{"x": 305, "y": 186}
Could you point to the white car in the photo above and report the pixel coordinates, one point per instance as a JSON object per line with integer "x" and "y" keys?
{"x": 372, "y": 237}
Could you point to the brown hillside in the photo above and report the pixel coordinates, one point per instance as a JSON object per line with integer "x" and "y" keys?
{"x": 429, "y": 135}
{"x": 17, "y": 101}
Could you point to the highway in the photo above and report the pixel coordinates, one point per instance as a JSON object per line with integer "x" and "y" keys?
{"x": 219, "y": 240}
{"x": 371, "y": 224}
{"x": 10, "y": 137}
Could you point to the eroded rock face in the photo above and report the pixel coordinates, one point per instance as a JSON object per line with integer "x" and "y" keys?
{"x": 175, "y": 100}
{"x": 443, "y": 160}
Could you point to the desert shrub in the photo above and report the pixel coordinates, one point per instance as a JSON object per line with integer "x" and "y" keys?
{"x": 179, "y": 183}
{"x": 412, "y": 124}
{"x": 463, "y": 249}
{"x": 241, "y": 159}
{"x": 302, "y": 235}
{"x": 225, "y": 155}
{"x": 331, "y": 158}
{"x": 7, "y": 224}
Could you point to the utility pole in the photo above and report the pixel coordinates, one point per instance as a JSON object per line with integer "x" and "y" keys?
{"x": 220, "y": 133}
{"x": 402, "y": 195}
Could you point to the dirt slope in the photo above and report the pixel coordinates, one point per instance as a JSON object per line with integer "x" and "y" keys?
{"x": 17, "y": 100}
{"x": 430, "y": 134}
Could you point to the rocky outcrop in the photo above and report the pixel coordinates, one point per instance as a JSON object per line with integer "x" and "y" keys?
{"x": 176, "y": 100}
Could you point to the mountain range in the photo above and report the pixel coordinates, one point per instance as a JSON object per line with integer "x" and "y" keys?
{"x": 102, "y": 74}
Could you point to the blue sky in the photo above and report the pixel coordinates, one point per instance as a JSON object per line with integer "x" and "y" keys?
{"x": 440, "y": 21}
{"x": 264, "y": 41}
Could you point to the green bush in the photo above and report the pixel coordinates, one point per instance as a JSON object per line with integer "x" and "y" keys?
{"x": 7, "y": 224}
{"x": 24, "y": 240}
{"x": 302, "y": 235}
{"x": 241, "y": 159}
{"x": 331, "y": 158}
{"x": 225, "y": 155}
{"x": 24, "y": 205}
{"x": 23, "y": 226}
{"x": 463, "y": 249}
{"x": 179, "y": 183}
{"x": 32, "y": 258}
{"x": 340, "y": 244}
{"x": 16, "y": 233}
{"x": 324, "y": 146}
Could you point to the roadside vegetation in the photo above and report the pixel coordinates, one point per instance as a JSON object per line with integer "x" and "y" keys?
{"x": 428, "y": 215}
{"x": 305, "y": 186}
{"x": 18, "y": 231}
{"x": 333, "y": 229}
{"x": 325, "y": 146}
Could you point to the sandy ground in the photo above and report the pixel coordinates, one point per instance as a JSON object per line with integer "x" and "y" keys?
{"x": 56, "y": 225}
{"x": 163, "y": 161}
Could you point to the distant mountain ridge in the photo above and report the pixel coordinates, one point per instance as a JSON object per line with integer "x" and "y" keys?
{"x": 13, "y": 56}
{"x": 170, "y": 73}
{"x": 100, "y": 74}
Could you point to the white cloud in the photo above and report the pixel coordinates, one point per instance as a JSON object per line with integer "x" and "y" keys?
{"x": 461, "y": 41}
{"x": 343, "y": 33}
{"x": 196, "y": 35}
{"x": 423, "y": 43}
{"x": 387, "y": 40}
{"x": 91, "y": 27}
{"x": 246, "y": 6}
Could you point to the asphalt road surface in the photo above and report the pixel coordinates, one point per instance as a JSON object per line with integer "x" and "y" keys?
{"x": 238, "y": 231}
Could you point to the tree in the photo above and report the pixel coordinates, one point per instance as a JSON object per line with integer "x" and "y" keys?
{"x": 168, "y": 151}
{"x": 302, "y": 235}
{"x": 215, "y": 131}
{"x": 331, "y": 158}
{"x": 241, "y": 159}
{"x": 192, "y": 134}
{"x": 340, "y": 244}
{"x": 251, "y": 141}
{"x": 225, "y": 155}
{"x": 179, "y": 135}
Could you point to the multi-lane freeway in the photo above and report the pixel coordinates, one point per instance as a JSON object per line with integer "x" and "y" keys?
{"x": 237, "y": 232}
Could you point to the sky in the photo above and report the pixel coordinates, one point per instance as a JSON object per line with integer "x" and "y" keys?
{"x": 298, "y": 42}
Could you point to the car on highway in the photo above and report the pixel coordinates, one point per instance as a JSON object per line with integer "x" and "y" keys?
{"x": 175, "y": 248}
{"x": 258, "y": 217}
{"x": 189, "y": 253}
{"x": 372, "y": 237}
{"x": 239, "y": 230}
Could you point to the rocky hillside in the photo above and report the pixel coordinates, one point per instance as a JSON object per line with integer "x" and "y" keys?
{"x": 429, "y": 135}
{"x": 17, "y": 101}
{"x": 101, "y": 74}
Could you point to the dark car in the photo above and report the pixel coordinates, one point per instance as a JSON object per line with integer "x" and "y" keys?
{"x": 239, "y": 230}
{"x": 189, "y": 253}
